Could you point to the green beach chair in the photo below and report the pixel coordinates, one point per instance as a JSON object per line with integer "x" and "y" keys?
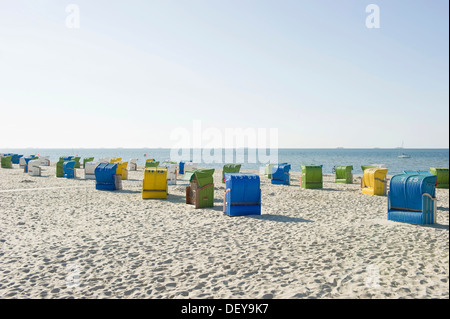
{"x": 268, "y": 171}
{"x": 344, "y": 174}
{"x": 230, "y": 168}
{"x": 6, "y": 162}
{"x": 201, "y": 190}
{"x": 442, "y": 176}
{"x": 77, "y": 161}
{"x": 59, "y": 167}
{"x": 151, "y": 164}
{"x": 311, "y": 176}
{"x": 364, "y": 167}
{"x": 87, "y": 159}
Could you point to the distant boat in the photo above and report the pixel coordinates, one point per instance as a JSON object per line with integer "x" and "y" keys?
{"x": 403, "y": 155}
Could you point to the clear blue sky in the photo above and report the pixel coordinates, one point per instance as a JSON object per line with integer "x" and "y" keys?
{"x": 137, "y": 70}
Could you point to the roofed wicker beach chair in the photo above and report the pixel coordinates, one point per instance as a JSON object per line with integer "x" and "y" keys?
{"x": 268, "y": 170}
{"x": 89, "y": 169}
{"x": 69, "y": 169}
{"x": 230, "y": 168}
{"x": 6, "y": 161}
{"x": 412, "y": 198}
{"x": 151, "y": 163}
{"x": 200, "y": 193}
{"x": 86, "y": 160}
{"x": 311, "y": 176}
{"x": 59, "y": 167}
{"x": 172, "y": 168}
{"x": 442, "y": 175}
{"x": 15, "y": 158}
{"x": 242, "y": 194}
{"x": 34, "y": 167}
{"x": 106, "y": 177}
{"x": 344, "y": 174}
{"x": 132, "y": 164}
{"x": 280, "y": 174}
{"x": 122, "y": 170}
{"x": 155, "y": 184}
{"x": 374, "y": 181}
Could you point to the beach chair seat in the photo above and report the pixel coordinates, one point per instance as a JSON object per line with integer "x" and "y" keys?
{"x": 155, "y": 184}
{"x": 34, "y": 168}
{"x": 344, "y": 174}
{"x": 242, "y": 194}
{"x": 86, "y": 160}
{"x": 172, "y": 168}
{"x": 200, "y": 193}
{"x": 311, "y": 177}
{"x": 374, "y": 181}
{"x": 106, "y": 177}
{"x": 69, "y": 169}
{"x": 89, "y": 169}
{"x": 122, "y": 170}
{"x": 132, "y": 164}
{"x": 442, "y": 175}
{"x": 280, "y": 174}
{"x": 230, "y": 168}
{"x": 412, "y": 198}
{"x": 6, "y": 161}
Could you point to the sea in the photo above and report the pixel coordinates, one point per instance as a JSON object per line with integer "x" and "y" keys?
{"x": 250, "y": 159}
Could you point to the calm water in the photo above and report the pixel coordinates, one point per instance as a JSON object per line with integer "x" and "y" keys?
{"x": 421, "y": 159}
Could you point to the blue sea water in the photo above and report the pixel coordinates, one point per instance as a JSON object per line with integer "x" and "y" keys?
{"x": 421, "y": 159}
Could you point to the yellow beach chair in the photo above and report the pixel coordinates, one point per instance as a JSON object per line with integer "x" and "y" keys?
{"x": 116, "y": 159}
{"x": 155, "y": 183}
{"x": 122, "y": 169}
{"x": 374, "y": 181}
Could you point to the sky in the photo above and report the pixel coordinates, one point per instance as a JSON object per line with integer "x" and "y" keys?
{"x": 154, "y": 73}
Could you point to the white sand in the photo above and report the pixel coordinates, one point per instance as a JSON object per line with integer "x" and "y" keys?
{"x": 61, "y": 238}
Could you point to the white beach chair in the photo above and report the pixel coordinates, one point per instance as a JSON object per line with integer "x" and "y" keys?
{"x": 171, "y": 173}
{"x": 132, "y": 164}
{"x": 104, "y": 160}
{"x": 22, "y": 162}
{"x": 89, "y": 169}
{"x": 45, "y": 160}
{"x": 34, "y": 168}
{"x": 189, "y": 166}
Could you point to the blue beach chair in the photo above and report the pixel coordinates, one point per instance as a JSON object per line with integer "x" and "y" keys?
{"x": 412, "y": 198}
{"x": 242, "y": 195}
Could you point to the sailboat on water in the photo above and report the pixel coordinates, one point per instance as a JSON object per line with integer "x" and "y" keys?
{"x": 403, "y": 155}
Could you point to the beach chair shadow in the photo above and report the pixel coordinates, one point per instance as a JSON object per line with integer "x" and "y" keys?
{"x": 173, "y": 198}
{"x": 128, "y": 191}
{"x": 279, "y": 218}
{"x": 445, "y": 209}
{"x": 436, "y": 226}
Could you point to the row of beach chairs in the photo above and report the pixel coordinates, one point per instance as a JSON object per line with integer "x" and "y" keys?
{"x": 411, "y": 197}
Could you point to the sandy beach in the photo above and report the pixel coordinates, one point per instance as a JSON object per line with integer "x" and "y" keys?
{"x": 61, "y": 238}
